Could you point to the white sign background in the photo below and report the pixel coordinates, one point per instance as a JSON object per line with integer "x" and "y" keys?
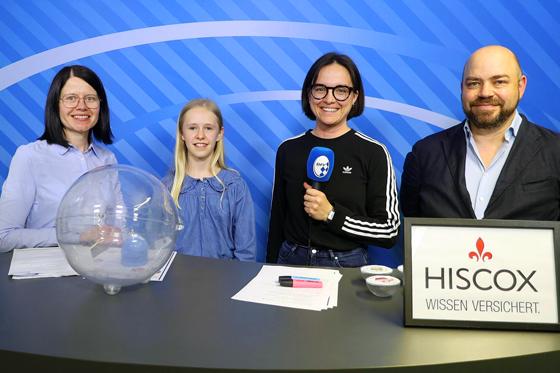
{"x": 523, "y": 249}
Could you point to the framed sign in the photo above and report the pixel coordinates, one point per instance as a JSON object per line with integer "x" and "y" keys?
{"x": 496, "y": 274}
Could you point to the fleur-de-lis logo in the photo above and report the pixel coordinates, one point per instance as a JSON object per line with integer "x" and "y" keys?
{"x": 479, "y": 253}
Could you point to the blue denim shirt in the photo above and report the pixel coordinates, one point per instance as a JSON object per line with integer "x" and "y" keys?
{"x": 39, "y": 176}
{"x": 218, "y": 223}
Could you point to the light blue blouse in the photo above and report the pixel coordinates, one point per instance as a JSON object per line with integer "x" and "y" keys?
{"x": 219, "y": 222}
{"x": 39, "y": 176}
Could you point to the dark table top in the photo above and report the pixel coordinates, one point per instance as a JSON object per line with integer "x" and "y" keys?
{"x": 190, "y": 321}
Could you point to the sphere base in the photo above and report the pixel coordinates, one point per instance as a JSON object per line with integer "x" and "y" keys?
{"x": 112, "y": 289}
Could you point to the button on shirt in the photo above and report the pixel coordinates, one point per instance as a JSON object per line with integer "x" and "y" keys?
{"x": 39, "y": 176}
{"x": 480, "y": 180}
{"x": 219, "y": 220}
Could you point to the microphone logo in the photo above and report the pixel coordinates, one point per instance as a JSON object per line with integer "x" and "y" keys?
{"x": 321, "y": 166}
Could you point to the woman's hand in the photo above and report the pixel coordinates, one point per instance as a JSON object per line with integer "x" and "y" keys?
{"x": 315, "y": 203}
{"x": 102, "y": 235}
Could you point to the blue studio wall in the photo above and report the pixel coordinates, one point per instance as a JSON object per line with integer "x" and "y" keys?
{"x": 252, "y": 56}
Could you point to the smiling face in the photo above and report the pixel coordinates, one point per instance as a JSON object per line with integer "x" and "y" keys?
{"x": 492, "y": 87}
{"x": 331, "y": 113}
{"x": 200, "y": 131}
{"x": 79, "y": 120}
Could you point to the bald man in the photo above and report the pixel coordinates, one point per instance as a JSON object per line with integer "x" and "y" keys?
{"x": 494, "y": 165}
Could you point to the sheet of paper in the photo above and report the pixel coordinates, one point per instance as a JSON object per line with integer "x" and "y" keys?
{"x": 39, "y": 262}
{"x": 264, "y": 288}
{"x": 43, "y": 262}
{"x": 160, "y": 275}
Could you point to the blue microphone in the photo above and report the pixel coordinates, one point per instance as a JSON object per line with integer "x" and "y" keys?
{"x": 319, "y": 166}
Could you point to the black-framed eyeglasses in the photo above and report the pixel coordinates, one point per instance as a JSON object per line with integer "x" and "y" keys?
{"x": 340, "y": 92}
{"x": 71, "y": 101}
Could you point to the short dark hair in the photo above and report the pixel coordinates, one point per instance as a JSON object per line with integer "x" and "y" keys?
{"x": 54, "y": 130}
{"x": 311, "y": 77}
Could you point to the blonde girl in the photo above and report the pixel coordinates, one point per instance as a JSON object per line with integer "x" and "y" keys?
{"x": 214, "y": 201}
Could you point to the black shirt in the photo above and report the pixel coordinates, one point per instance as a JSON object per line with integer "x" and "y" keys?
{"x": 362, "y": 189}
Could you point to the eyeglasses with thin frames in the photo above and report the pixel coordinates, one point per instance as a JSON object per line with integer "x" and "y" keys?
{"x": 71, "y": 101}
{"x": 340, "y": 92}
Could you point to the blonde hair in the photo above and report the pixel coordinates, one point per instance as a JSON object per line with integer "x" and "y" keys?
{"x": 217, "y": 161}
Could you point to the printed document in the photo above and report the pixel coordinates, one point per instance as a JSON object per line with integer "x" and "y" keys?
{"x": 266, "y": 289}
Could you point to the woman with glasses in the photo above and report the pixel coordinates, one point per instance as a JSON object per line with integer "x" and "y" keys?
{"x": 358, "y": 205}
{"x": 76, "y": 122}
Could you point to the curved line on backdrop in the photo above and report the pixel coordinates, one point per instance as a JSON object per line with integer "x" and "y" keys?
{"x": 42, "y": 61}
{"x": 410, "y": 111}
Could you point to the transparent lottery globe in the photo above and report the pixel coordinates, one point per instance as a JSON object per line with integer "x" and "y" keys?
{"x": 117, "y": 226}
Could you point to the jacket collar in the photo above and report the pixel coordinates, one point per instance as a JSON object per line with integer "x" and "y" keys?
{"x": 526, "y": 145}
{"x": 454, "y": 149}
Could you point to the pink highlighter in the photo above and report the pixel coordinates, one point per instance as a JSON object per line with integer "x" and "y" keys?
{"x": 295, "y": 283}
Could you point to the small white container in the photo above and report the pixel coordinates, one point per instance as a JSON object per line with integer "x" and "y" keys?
{"x": 375, "y": 269}
{"x": 383, "y": 285}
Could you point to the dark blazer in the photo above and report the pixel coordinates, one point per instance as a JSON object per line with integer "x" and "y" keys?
{"x": 528, "y": 188}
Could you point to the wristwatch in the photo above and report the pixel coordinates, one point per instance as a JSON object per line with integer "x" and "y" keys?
{"x": 330, "y": 216}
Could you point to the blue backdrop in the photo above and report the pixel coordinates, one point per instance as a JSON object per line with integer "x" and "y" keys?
{"x": 252, "y": 56}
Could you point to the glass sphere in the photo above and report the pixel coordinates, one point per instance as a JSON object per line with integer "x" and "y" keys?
{"x": 117, "y": 226}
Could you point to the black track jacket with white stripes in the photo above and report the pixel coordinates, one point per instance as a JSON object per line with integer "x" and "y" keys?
{"x": 362, "y": 189}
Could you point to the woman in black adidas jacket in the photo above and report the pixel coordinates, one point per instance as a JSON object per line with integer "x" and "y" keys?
{"x": 358, "y": 205}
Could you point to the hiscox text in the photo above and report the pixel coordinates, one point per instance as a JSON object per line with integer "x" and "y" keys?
{"x": 482, "y": 279}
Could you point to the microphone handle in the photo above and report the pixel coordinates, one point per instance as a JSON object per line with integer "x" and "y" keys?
{"x": 316, "y": 185}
